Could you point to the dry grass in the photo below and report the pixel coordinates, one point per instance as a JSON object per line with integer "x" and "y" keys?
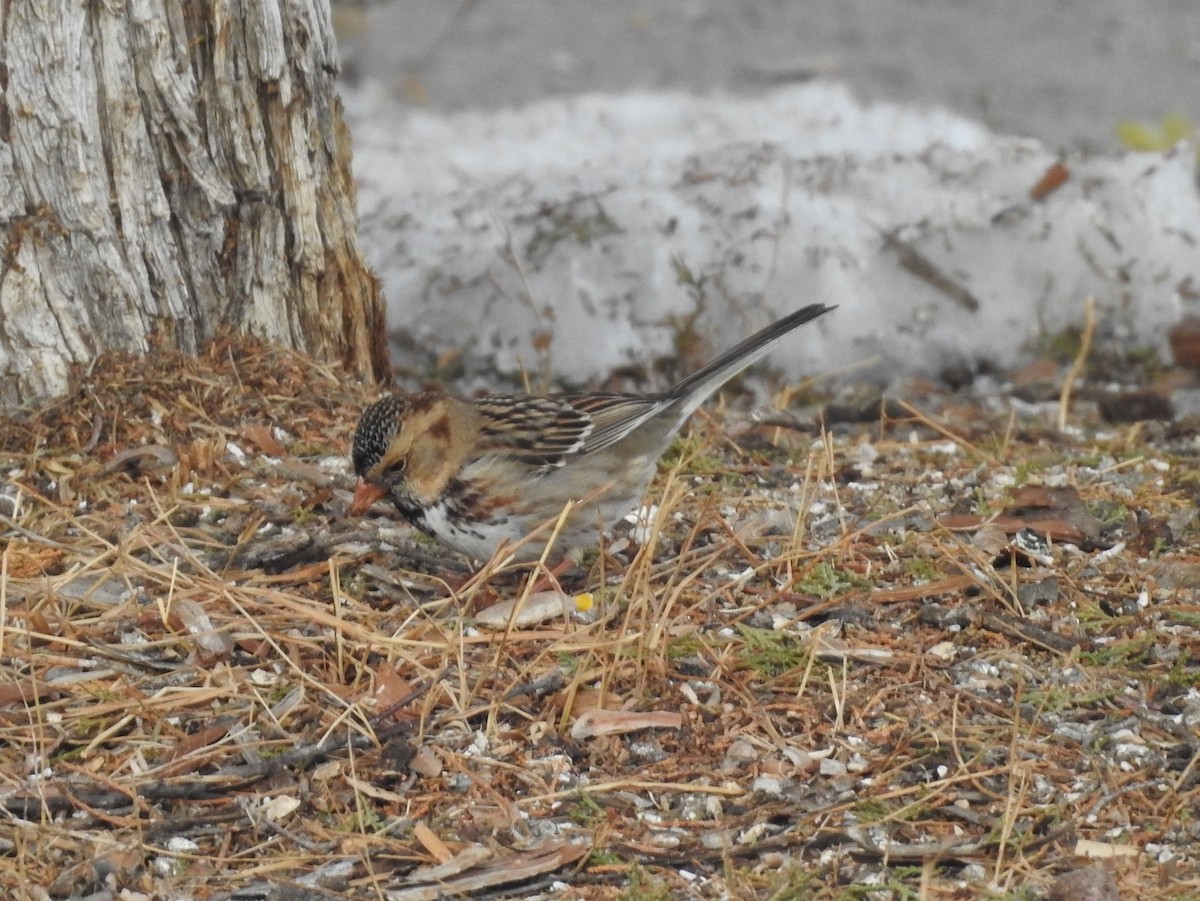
{"x": 831, "y": 675}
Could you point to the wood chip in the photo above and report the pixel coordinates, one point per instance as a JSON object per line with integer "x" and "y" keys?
{"x": 539, "y": 607}
{"x": 595, "y": 722}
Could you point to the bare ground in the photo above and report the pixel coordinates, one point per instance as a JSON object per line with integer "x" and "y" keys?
{"x": 938, "y": 649}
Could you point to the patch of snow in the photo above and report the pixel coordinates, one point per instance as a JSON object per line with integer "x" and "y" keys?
{"x": 563, "y": 226}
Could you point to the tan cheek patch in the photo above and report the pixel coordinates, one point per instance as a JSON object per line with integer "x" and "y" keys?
{"x": 429, "y": 469}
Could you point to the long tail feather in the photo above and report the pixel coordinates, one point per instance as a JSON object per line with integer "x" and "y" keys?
{"x": 697, "y": 387}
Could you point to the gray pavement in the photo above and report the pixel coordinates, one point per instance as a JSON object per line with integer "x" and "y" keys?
{"x": 1064, "y": 71}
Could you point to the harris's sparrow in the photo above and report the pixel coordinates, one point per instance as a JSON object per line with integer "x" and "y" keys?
{"x": 477, "y": 473}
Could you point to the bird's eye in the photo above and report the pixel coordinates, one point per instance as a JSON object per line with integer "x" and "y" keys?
{"x": 395, "y": 470}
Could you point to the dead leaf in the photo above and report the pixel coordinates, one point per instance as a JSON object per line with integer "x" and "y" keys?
{"x": 436, "y": 847}
{"x": 390, "y": 688}
{"x": 186, "y": 747}
{"x": 280, "y": 807}
{"x": 1054, "y": 178}
{"x": 425, "y": 762}
{"x": 150, "y": 458}
{"x": 263, "y": 437}
{"x": 1057, "y": 513}
{"x": 22, "y": 692}
{"x": 26, "y": 561}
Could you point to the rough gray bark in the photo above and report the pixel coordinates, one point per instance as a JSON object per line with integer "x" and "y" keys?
{"x": 174, "y": 167}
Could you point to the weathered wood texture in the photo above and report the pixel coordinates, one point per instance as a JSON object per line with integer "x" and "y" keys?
{"x": 174, "y": 167}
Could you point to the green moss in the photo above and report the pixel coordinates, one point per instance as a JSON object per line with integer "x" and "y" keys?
{"x": 1055, "y": 700}
{"x": 683, "y": 447}
{"x": 871, "y": 810}
{"x": 922, "y": 569}
{"x": 644, "y": 887}
{"x": 1183, "y": 617}
{"x": 771, "y": 653}
{"x": 825, "y": 580}
{"x": 1120, "y": 654}
{"x": 585, "y": 811}
{"x": 685, "y": 646}
{"x": 795, "y": 885}
{"x": 304, "y": 516}
{"x": 1024, "y": 470}
{"x": 1184, "y": 672}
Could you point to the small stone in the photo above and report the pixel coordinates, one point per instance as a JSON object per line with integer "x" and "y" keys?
{"x": 771, "y": 786}
{"x": 1135, "y": 406}
{"x": 944, "y": 651}
{"x": 1042, "y": 591}
{"x": 832, "y": 767}
{"x": 1089, "y": 884}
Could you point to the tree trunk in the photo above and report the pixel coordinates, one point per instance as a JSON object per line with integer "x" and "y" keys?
{"x": 174, "y": 168}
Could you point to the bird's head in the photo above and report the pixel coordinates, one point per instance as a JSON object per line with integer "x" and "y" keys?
{"x": 408, "y": 446}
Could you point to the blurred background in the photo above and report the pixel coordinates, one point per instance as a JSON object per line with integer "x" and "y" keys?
{"x": 1063, "y": 71}
{"x": 573, "y": 187}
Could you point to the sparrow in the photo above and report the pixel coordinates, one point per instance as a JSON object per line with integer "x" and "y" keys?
{"x": 481, "y": 472}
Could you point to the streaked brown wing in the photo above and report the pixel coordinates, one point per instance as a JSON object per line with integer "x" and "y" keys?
{"x": 544, "y": 432}
{"x": 541, "y": 432}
